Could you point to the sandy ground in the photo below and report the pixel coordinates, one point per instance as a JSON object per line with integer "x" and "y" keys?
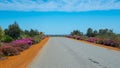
{"x": 22, "y": 60}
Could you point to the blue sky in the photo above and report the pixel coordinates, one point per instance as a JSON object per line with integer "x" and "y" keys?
{"x": 61, "y": 16}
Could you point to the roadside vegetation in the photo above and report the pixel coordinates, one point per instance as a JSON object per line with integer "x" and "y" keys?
{"x": 102, "y": 36}
{"x": 14, "y": 40}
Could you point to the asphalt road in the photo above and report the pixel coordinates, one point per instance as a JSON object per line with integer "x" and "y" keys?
{"x": 62, "y": 52}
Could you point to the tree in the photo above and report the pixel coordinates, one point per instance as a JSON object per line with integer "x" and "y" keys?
{"x": 76, "y": 32}
{"x": 41, "y": 34}
{"x": 105, "y": 31}
{"x": 90, "y": 32}
{"x": 27, "y": 32}
{"x": 13, "y": 31}
{"x": 1, "y": 33}
{"x": 106, "y": 34}
{"x": 33, "y": 32}
{"x": 95, "y": 33}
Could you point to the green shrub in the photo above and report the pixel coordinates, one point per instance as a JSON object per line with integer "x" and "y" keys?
{"x": 84, "y": 38}
{"x": 100, "y": 42}
{"x": 37, "y": 38}
{"x": 22, "y": 36}
{"x": 76, "y": 32}
{"x": 7, "y": 38}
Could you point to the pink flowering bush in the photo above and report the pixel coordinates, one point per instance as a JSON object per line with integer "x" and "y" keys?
{"x": 111, "y": 43}
{"x": 27, "y": 41}
{"x": 92, "y": 39}
{"x": 15, "y": 47}
{"x": 100, "y": 41}
{"x": 70, "y": 36}
{"x": 1, "y": 53}
{"x": 21, "y": 47}
{"x": 9, "y": 50}
{"x": 78, "y": 38}
{"x": 108, "y": 43}
{"x": 43, "y": 37}
{"x": 84, "y": 38}
{"x": 22, "y": 44}
{"x": 74, "y": 37}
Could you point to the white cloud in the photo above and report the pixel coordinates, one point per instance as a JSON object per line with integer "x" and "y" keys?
{"x": 59, "y": 5}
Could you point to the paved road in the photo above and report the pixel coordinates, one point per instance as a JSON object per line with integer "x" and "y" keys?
{"x": 67, "y": 53}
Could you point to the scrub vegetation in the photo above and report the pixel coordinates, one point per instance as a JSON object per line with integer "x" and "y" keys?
{"x": 14, "y": 40}
{"x": 102, "y": 36}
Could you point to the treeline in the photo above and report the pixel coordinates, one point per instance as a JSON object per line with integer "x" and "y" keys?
{"x": 14, "y": 32}
{"x": 101, "y": 36}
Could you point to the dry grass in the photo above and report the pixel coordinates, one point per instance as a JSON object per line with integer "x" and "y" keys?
{"x": 22, "y": 60}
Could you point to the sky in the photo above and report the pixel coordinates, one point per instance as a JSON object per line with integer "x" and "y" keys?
{"x": 61, "y": 16}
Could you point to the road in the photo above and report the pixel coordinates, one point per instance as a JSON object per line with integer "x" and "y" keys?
{"x": 62, "y": 52}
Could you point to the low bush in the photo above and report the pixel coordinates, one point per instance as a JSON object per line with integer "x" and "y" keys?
{"x": 78, "y": 38}
{"x": 26, "y": 41}
{"x": 100, "y": 42}
{"x": 37, "y": 39}
{"x": 84, "y": 38}
{"x": 19, "y": 48}
{"x": 7, "y": 38}
{"x": 24, "y": 46}
{"x": 29, "y": 41}
{"x": 9, "y": 51}
{"x": 1, "y": 53}
{"x": 15, "y": 47}
{"x": 108, "y": 43}
{"x": 111, "y": 43}
{"x": 74, "y": 37}
{"x": 43, "y": 37}
{"x": 70, "y": 36}
{"x": 92, "y": 39}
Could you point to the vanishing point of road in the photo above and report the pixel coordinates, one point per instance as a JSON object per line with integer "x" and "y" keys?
{"x": 60, "y": 52}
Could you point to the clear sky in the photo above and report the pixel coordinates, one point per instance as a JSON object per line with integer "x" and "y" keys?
{"x": 61, "y": 17}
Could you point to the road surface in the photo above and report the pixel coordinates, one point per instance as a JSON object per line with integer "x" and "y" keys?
{"x": 62, "y": 52}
